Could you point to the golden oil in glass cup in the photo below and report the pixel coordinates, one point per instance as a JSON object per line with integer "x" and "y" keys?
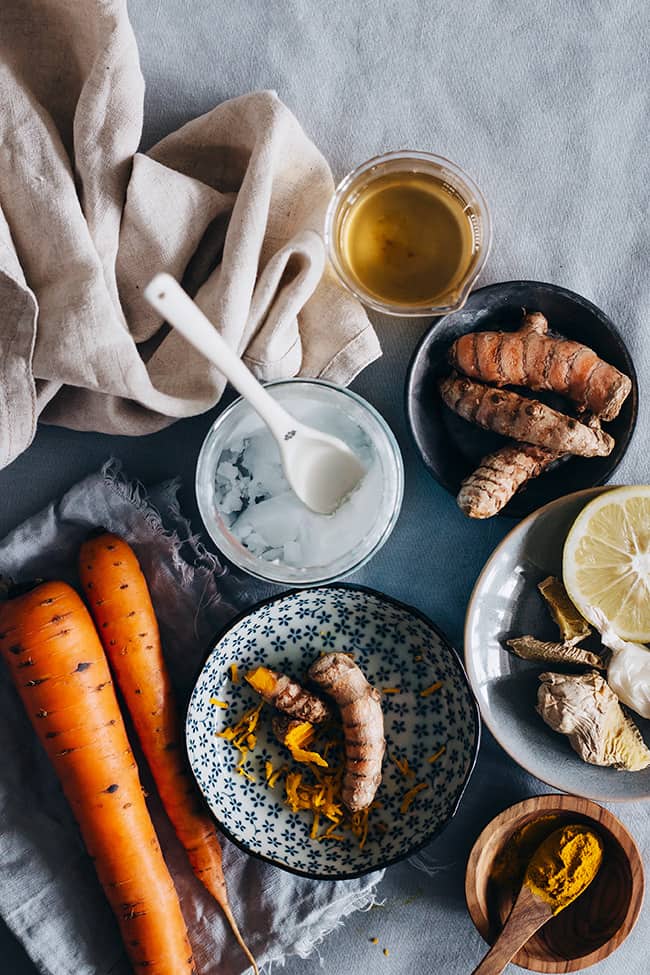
{"x": 408, "y": 233}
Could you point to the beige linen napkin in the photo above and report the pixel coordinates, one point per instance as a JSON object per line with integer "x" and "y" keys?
{"x": 233, "y": 203}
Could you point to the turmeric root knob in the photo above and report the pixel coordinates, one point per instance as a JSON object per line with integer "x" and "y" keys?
{"x": 287, "y": 695}
{"x": 363, "y": 725}
{"x": 499, "y": 476}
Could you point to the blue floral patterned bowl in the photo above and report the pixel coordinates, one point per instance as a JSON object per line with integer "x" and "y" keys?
{"x": 396, "y": 647}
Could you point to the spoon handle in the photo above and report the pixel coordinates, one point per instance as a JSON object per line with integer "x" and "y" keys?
{"x": 526, "y": 917}
{"x": 165, "y": 294}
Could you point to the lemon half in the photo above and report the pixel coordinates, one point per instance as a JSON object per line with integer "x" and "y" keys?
{"x": 606, "y": 563}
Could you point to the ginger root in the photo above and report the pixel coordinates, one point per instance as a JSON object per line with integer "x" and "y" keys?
{"x": 363, "y": 726}
{"x": 530, "y": 357}
{"x": 288, "y": 695}
{"x": 499, "y": 476}
{"x": 528, "y": 420}
{"x": 587, "y": 711}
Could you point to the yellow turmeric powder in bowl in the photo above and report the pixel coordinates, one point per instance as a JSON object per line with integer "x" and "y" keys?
{"x": 564, "y": 865}
{"x": 509, "y": 867}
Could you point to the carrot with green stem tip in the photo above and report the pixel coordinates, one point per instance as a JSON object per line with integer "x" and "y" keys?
{"x": 57, "y": 663}
{"x": 120, "y": 603}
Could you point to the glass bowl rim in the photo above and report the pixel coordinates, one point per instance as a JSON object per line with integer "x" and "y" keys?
{"x": 392, "y": 308}
{"x": 291, "y": 579}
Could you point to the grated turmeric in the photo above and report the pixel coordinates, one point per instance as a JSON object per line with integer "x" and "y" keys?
{"x": 410, "y": 797}
{"x": 297, "y": 736}
{"x": 402, "y": 765}
{"x": 216, "y": 703}
{"x": 564, "y": 865}
{"x": 317, "y": 787}
{"x": 436, "y": 755}
{"x": 242, "y": 737}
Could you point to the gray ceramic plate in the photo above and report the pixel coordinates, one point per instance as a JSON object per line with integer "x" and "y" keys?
{"x": 505, "y": 604}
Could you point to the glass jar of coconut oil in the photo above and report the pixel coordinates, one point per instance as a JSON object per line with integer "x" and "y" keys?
{"x": 253, "y": 516}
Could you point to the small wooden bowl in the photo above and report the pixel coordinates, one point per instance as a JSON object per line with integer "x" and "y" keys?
{"x": 596, "y": 923}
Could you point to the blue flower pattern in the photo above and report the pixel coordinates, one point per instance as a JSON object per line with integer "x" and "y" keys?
{"x": 386, "y": 639}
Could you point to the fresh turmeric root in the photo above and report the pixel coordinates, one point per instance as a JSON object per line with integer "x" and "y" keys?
{"x": 528, "y": 420}
{"x": 363, "y": 726}
{"x": 288, "y": 695}
{"x": 499, "y": 476}
{"x": 530, "y": 357}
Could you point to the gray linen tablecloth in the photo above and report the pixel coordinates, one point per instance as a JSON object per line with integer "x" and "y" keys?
{"x": 547, "y": 106}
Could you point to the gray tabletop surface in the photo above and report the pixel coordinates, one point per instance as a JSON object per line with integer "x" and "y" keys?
{"x": 546, "y": 105}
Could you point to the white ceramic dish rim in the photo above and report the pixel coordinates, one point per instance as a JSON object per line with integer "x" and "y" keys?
{"x": 587, "y": 494}
{"x": 475, "y": 712}
{"x": 278, "y": 578}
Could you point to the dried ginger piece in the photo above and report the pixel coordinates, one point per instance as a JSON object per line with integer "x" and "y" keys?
{"x": 499, "y": 476}
{"x": 573, "y": 627}
{"x": 528, "y": 648}
{"x": 586, "y": 709}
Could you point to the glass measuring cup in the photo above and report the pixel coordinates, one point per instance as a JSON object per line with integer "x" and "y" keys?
{"x": 435, "y": 212}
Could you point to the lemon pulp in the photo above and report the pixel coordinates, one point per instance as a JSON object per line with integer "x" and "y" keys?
{"x": 606, "y": 563}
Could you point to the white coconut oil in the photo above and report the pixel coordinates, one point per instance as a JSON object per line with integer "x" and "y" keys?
{"x": 255, "y": 510}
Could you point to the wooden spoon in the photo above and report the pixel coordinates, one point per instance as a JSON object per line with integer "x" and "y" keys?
{"x": 528, "y": 914}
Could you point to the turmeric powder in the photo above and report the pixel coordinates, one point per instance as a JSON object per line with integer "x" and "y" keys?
{"x": 564, "y": 865}
{"x": 510, "y": 864}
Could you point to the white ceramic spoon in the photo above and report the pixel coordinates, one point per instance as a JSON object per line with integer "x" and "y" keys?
{"x": 321, "y": 470}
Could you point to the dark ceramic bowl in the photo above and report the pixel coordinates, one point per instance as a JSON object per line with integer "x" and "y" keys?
{"x": 451, "y": 447}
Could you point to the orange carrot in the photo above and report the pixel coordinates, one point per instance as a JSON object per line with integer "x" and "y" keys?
{"x": 56, "y": 661}
{"x": 121, "y": 605}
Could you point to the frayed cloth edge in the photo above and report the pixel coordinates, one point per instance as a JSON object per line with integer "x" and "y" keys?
{"x": 180, "y": 536}
{"x": 333, "y": 918}
{"x": 431, "y": 869}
